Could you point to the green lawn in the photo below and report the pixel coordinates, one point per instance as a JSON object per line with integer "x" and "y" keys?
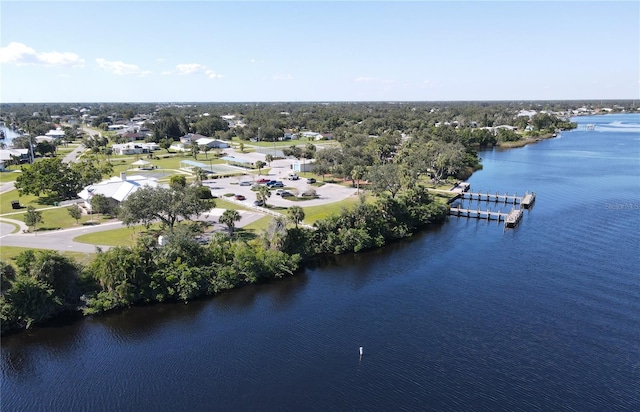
{"x": 224, "y": 204}
{"x": 25, "y": 200}
{"x": 313, "y": 213}
{"x": 124, "y": 236}
{"x": 9, "y": 175}
{"x": 8, "y": 253}
{"x": 59, "y": 218}
{"x": 258, "y": 225}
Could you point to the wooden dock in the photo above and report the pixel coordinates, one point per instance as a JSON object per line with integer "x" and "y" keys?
{"x": 525, "y": 201}
{"x": 511, "y": 219}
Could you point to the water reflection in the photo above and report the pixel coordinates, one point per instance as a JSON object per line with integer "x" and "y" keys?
{"x": 21, "y": 351}
{"x": 140, "y": 323}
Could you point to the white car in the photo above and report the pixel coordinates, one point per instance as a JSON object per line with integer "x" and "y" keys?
{"x": 245, "y": 183}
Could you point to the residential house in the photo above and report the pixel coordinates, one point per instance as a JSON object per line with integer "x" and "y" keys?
{"x": 191, "y": 137}
{"x": 311, "y": 136}
{"x": 212, "y": 143}
{"x": 8, "y": 155}
{"x": 58, "y": 133}
{"x": 134, "y": 148}
{"x": 116, "y": 189}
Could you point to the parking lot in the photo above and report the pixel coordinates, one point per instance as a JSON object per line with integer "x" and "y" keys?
{"x": 327, "y": 193}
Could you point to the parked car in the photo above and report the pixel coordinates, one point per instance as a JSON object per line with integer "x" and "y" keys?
{"x": 277, "y": 184}
{"x": 286, "y": 193}
{"x": 271, "y": 183}
{"x": 294, "y": 177}
{"x": 258, "y": 203}
{"x": 245, "y": 183}
{"x": 311, "y": 180}
{"x": 239, "y": 197}
{"x": 263, "y": 180}
{"x": 279, "y": 192}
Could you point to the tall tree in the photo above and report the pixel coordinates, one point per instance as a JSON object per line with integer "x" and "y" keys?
{"x": 229, "y": 218}
{"x": 166, "y": 204}
{"x": 100, "y": 204}
{"x": 75, "y": 212}
{"x": 50, "y": 177}
{"x": 385, "y": 177}
{"x": 357, "y": 173}
{"x": 295, "y": 214}
{"x": 32, "y": 217}
{"x": 260, "y": 164}
{"x": 262, "y": 194}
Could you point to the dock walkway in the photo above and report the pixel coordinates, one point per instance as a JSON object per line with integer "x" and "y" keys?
{"x": 511, "y": 218}
{"x": 525, "y": 201}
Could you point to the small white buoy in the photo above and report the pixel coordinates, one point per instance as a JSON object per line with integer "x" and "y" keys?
{"x": 360, "y": 350}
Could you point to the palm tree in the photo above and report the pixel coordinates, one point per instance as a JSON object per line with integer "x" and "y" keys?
{"x": 230, "y": 217}
{"x": 260, "y": 164}
{"x": 295, "y": 214}
{"x": 269, "y": 158}
{"x": 263, "y": 193}
{"x": 356, "y": 174}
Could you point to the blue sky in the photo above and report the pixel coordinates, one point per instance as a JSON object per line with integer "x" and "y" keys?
{"x": 210, "y": 51}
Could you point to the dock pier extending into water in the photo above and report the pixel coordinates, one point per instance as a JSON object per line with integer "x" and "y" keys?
{"x": 511, "y": 218}
{"x": 525, "y": 201}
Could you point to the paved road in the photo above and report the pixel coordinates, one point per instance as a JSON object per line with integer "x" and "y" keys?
{"x": 74, "y": 154}
{"x": 55, "y": 239}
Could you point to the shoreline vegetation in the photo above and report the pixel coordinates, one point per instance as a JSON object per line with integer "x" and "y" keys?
{"x": 393, "y": 168}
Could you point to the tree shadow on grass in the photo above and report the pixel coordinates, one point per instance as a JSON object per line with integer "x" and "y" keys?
{"x": 245, "y": 234}
{"x": 47, "y": 229}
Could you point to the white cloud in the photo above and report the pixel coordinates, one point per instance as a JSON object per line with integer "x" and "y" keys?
{"x": 282, "y": 77}
{"x": 212, "y": 75}
{"x": 21, "y": 54}
{"x": 364, "y": 79}
{"x": 196, "y": 68}
{"x": 190, "y": 68}
{"x": 121, "y": 68}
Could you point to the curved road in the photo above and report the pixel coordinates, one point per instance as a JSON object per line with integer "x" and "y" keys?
{"x": 60, "y": 240}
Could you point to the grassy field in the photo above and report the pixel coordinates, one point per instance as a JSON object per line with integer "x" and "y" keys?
{"x": 313, "y": 213}
{"x": 124, "y": 236}
{"x": 8, "y": 253}
{"x": 25, "y": 200}
{"x": 9, "y": 175}
{"x": 258, "y": 225}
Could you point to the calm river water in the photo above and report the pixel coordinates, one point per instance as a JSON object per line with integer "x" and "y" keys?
{"x": 468, "y": 316}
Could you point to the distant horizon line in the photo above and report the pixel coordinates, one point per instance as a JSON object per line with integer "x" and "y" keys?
{"x": 325, "y": 101}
